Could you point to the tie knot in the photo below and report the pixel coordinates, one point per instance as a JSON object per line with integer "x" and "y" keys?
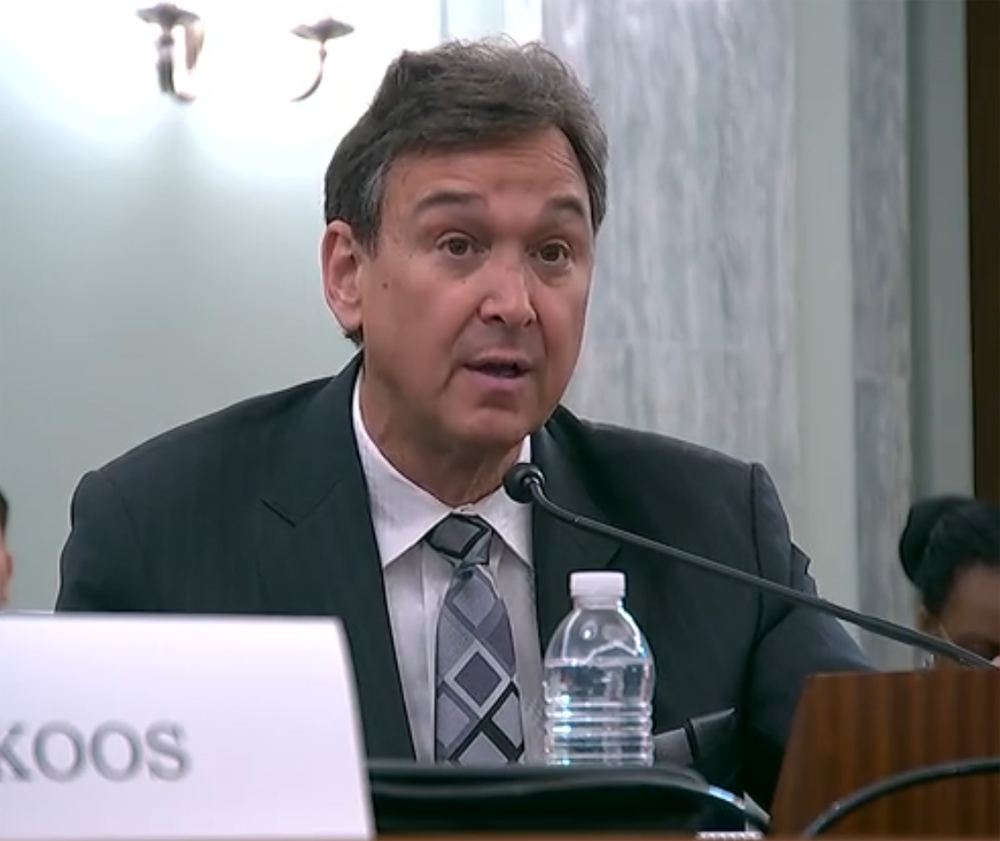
{"x": 462, "y": 539}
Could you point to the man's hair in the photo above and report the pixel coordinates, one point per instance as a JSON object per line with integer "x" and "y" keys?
{"x": 943, "y": 536}
{"x": 461, "y": 96}
{"x": 4, "y": 508}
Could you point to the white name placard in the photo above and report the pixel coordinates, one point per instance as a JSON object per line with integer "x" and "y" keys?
{"x": 141, "y": 727}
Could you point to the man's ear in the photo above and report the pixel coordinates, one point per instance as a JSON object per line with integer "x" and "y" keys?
{"x": 341, "y": 258}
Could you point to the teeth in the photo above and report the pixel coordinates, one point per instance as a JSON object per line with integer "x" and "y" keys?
{"x": 500, "y": 369}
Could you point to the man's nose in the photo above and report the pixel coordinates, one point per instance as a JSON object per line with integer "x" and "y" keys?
{"x": 508, "y": 298}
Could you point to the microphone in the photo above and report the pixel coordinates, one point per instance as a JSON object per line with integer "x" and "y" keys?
{"x": 525, "y": 483}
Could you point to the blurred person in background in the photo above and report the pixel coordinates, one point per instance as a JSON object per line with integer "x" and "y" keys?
{"x": 6, "y": 559}
{"x": 950, "y": 550}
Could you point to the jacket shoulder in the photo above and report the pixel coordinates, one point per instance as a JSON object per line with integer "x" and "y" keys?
{"x": 669, "y": 489}
{"x": 239, "y": 431}
{"x": 638, "y": 453}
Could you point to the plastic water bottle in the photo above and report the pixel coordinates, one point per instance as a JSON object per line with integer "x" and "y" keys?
{"x": 599, "y": 679}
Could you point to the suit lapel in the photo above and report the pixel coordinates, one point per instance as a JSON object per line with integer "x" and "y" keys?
{"x": 559, "y": 549}
{"x": 318, "y": 555}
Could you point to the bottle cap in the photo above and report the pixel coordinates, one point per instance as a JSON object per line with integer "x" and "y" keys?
{"x": 610, "y": 584}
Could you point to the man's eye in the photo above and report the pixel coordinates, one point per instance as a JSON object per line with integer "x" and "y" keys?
{"x": 457, "y": 246}
{"x": 553, "y": 252}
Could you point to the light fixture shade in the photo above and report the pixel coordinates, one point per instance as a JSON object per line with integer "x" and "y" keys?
{"x": 320, "y": 32}
{"x": 175, "y": 23}
{"x": 263, "y": 52}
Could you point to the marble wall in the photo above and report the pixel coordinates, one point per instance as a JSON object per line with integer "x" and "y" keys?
{"x": 692, "y": 328}
{"x": 692, "y": 322}
{"x": 880, "y": 250}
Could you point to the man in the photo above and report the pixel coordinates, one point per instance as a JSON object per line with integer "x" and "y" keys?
{"x": 461, "y": 212}
{"x": 6, "y": 559}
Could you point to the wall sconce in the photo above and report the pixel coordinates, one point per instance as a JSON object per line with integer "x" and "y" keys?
{"x": 320, "y": 32}
{"x": 170, "y": 18}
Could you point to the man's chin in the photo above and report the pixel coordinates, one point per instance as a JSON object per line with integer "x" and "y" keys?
{"x": 492, "y": 436}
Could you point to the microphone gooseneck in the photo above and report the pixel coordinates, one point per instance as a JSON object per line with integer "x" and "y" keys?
{"x": 525, "y": 483}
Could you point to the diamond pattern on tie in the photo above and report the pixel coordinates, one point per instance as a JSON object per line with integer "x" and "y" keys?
{"x": 477, "y": 703}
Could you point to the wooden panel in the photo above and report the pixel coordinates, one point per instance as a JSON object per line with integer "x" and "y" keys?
{"x": 983, "y": 64}
{"x": 851, "y": 730}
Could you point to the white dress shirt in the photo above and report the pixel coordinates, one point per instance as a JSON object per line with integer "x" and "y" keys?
{"x": 416, "y": 578}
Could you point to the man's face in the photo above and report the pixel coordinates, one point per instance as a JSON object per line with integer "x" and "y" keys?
{"x": 473, "y": 304}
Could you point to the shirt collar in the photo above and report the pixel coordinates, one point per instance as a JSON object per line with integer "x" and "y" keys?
{"x": 402, "y": 513}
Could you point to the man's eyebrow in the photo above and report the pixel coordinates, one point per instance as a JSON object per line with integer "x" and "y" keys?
{"x": 565, "y": 203}
{"x": 446, "y": 198}
{"x": 568, "y": 203}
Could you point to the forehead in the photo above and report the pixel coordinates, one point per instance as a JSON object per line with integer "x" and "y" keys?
{"x": 539, "y": 166}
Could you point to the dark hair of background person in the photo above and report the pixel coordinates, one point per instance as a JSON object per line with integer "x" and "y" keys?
{"x": 4, "y": 509}
{"x": 456, "y": 97}
{"x": 943, "y": 536}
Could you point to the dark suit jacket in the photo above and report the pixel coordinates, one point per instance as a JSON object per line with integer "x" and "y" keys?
{"x": 262, "y": 509}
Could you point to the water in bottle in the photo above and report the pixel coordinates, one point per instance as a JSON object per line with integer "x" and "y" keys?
{"x": 599, "y": 678}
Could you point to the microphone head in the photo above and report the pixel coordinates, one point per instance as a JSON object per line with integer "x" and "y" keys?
{"x": 520, "y": 479}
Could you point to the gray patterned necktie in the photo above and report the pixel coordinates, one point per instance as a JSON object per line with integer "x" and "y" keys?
{"x": 477, "y": 709}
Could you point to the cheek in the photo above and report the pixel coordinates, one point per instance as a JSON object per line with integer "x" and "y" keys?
{"x": 418, "y": 333}
{"x": 562, "y": 315}
{"x": 414, "y": 297}
{"x": 391, "y": 312}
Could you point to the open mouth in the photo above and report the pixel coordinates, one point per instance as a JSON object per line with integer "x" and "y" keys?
{"x": 502, "y": 369}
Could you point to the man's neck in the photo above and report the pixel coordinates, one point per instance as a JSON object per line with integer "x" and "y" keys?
{"x": 453, "y": 481}
{"x": 451, "y": 474}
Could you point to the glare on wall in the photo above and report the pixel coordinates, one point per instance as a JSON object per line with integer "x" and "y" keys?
{"x": 91, "y": 68}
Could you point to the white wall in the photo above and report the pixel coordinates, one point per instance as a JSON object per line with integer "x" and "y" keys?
{"x": 825, "y": 520}
{"x": 942, "y": 344}
{"x": 157, "y": 261}
{"x": 466, "y": 19}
